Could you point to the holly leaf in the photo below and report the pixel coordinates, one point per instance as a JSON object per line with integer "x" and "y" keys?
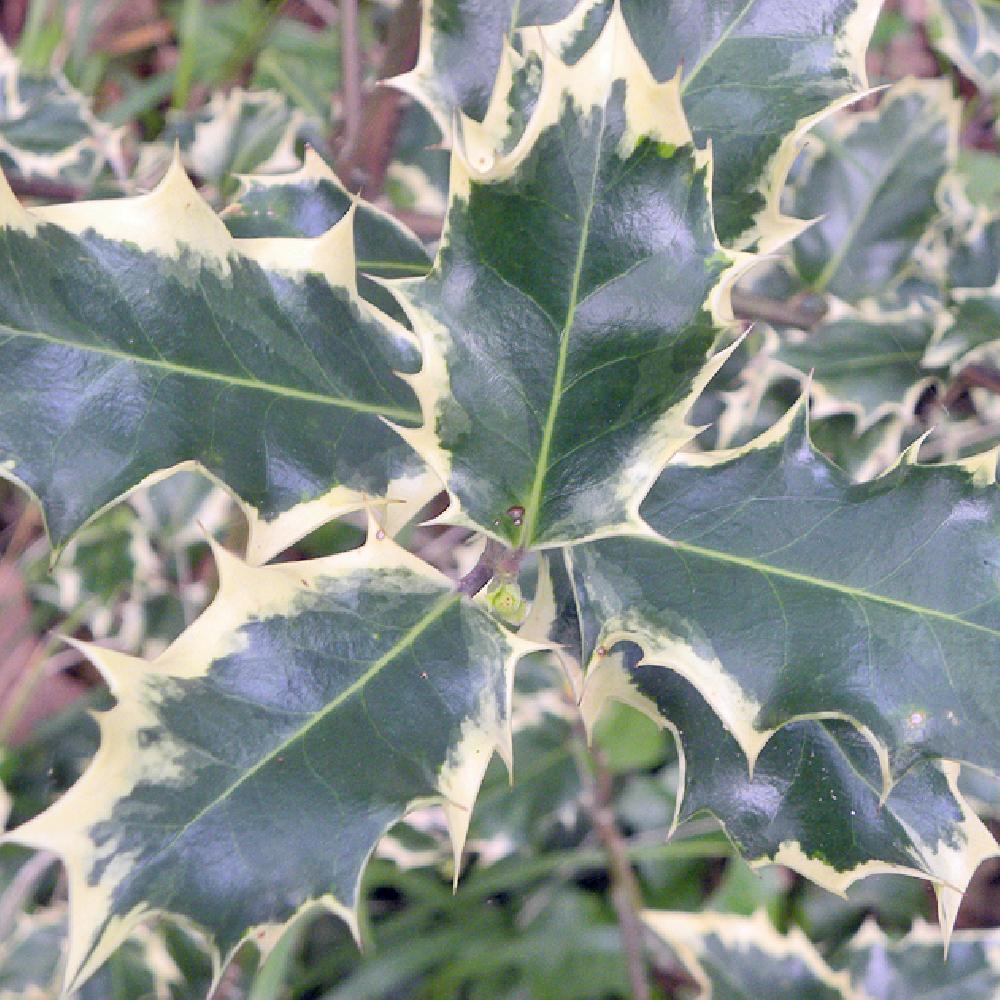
{"x": 922, "y": 965}
{"x": 248, "y": 772}
{"x": 310, "y": 201}
{"x": 238, "y": 132}
{"x": 137, "y": 336}
{"x": 968, "y": 33}
{"x": 783, "y": 591}
{"x": 872, "y": 189}
{"x": 866, "y": 362}
{"x": 733, "y": 957}
{"x": 30, "y": 965}
{"x": 48, "y": 130}
{"x": 756, "y": 78}
{"x": 581, "y": 271}
{"x": 461, "y": 47}
{"x": 974, "y": 259}
{"x": 814, "y": 801}
{"x": 969, "y": 328}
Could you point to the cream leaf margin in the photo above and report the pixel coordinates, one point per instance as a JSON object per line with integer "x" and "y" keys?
{"x": 652, "y": 110}
{"x": 245, "y": 592}
{"x": 174, "y": 217}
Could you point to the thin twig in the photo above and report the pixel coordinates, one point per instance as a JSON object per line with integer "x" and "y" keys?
{"x": 34, "y": 673}
{"x": 483, "y": 571}
{"x": 625, "y": 894}
{"x": 802, "y": 312}
{"x": 428, "y": 227}
{"x": 381, "y": 113}
{"x": 972, "y": 377}
{"x": 325, "y": 10}
{"x": 350, "y": 66}
{"x": 28, "y": 187}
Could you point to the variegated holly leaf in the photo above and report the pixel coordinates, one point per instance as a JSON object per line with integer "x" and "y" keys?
{"x": 312, "y": 200}
{"x": 48, "y": 130}
{"x": 461, "y": 45}
{"x": 567, "y": 321}
{"x": 755, "y": 78}
{"x": 781, "y": 590}
{"x": 31, "y": 965}
{"x": 248, "y": 772}
{"x": 971, "y": 327}
{"x": 734, "y": 957}
{"x": 236, "y": 132}
{"x": 922, "y": 965}
{"x": 974, "y": 256}
{"x": 872, "y": 189}
{"x": 968, "y": 33}
{"x": 814, "y": 801}
{"x": 129, "y": 574}
{"x": 137, "y": 336}
{"x": 863, "y": 362}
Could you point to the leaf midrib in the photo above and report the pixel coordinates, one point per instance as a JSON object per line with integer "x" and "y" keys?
{"x": 815, "y": 581}
{"x": 533, "y": 505}
{"x": 716, "y": 45}
{"x": 288, "y": 392}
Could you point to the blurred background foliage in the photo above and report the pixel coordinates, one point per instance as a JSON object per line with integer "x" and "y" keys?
{"x": 900, "y": 336}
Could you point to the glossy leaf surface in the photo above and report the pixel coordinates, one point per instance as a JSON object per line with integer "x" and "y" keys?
{"x": 780, "y": 590}
{"x": 567, "y": 321}
{"x": 814, "y": 801}
{"x": 136, "y": 336}
{"x": 248, "y": 771}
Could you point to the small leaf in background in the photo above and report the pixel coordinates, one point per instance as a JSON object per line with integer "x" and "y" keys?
{"x": 864, "y": 363}
{"x": 733, "y": 957}
{"x": 915, "y": 967}
{"x": 309, "y": 202}
{"x": 968, "y": 33}
{"x": 872, "y": 189}
{"x": 48, "y": 130}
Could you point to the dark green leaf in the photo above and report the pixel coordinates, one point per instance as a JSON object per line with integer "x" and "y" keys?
{"x": 136, "y": 336}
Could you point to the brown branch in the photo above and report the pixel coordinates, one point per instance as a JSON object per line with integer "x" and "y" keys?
{"x": 143, "y": 36}
{"x": 21, "y": 886}
{"x": 483, "y": 571}
{"x": 496, "y": 559}
{"x": 625, "y": 894}
{"x": 427, "y": 227}
{"x": 28, "y": 187}
{"x": 366, "y": 167}
{"x": 971, "y": 377}
{"x": 350, "y": 62}
{"x": 801, "y": 311}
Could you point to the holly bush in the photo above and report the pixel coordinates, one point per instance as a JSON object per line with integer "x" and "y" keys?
{"x": 777, "y": 543}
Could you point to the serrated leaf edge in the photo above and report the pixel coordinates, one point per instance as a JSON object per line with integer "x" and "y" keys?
{"x": 652, "y": 109}
{"x": 735, "y": 709}
{"x": 243, "y": 589}
{"x": 685, "y": 934}
{"x": 172, "y": 218}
